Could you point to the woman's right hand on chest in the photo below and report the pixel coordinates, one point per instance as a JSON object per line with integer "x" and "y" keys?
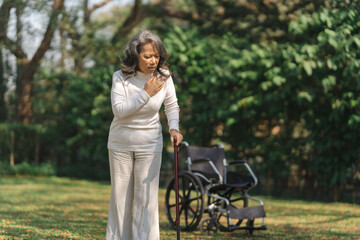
{"x": 154, "y": 85}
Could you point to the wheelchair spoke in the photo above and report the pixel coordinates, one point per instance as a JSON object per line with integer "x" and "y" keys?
{"x": 186, "y": 219}
{"x": 191, "y": 188}
{"x": 183, "y": 186}
{"x": 188, "y": 193}
{"x": 194, "y": 199}
{"x": 181, "y": 209}
{"x": 193, "y": 211}
{"x": 236, "y": 199}
{"x": 181, "y": 198}
{"x": 187, "y": 216}
{"x": 174, "y": 205}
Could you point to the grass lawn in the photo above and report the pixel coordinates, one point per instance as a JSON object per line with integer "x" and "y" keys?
{"x": 62, "y": 208}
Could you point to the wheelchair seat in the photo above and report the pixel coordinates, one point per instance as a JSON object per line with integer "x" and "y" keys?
{"x": 239, "y": 180}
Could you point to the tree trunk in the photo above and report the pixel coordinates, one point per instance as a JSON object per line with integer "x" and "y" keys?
{"x": 30, "y": 67}
{"x": 78, "y": 67}
{"x": 268, "y": 181}
{"x": 12, "y": 144}
{"x": 37, "y": 150}
{"x": 3, "y": 111}
{"x": 24, "y": 101}
{"x": 132, "y": 20}
{"x": 4, "y": 19}
{"x": 79, "y": 51}
{"x": 336, "y": 192}
{"x": 62, "y": 48}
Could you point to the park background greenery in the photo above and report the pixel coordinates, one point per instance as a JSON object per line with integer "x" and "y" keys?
{"x": 276, "y": 81}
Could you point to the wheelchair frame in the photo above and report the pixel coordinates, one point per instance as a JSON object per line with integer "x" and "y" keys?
{"x": 219, "y": 202}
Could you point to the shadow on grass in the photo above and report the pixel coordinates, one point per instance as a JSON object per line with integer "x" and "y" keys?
{"x": 53, "y": 209}
{"x": 43, "y": 220}
{"x": 331, "y": 215}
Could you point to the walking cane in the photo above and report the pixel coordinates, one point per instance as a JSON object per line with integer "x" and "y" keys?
{"x": 177, "y": 221}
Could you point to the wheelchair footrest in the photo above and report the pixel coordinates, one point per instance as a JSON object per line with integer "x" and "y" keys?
{"x": 236, "y": 227}
{"x": 247, "y": 212}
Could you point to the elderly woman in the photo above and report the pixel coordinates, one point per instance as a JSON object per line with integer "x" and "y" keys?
{"x": 135, "y": 139}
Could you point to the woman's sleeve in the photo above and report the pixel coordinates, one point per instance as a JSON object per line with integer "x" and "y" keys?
{"x": 123, "y": 105}
{"x": 171, "y": 105}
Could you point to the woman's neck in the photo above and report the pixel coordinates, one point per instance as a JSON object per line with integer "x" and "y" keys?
{"x": 140, "y": 74}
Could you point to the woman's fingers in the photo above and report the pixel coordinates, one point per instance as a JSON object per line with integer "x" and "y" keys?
{"x": 178, "y": 140}
{"x": 159, "y": 83}
{"x": 179, "y": 137}
{"x": 156, "y": 78}
{"x": 172, "y": 140}
{"x": 154, "y": 85}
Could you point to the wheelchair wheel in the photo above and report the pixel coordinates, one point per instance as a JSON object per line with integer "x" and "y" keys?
{"x": 191, "y": 201}
{"x": 209, "y": 227}
{"x": 236, "y": 201}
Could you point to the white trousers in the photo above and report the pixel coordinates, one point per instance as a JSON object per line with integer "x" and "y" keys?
{"x": 133, "y": 208}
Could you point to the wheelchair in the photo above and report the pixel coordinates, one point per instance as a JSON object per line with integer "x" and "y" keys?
{"x": 208, "y": 188}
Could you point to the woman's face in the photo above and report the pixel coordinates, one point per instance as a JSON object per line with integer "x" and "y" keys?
{"x": 148, "y": 58}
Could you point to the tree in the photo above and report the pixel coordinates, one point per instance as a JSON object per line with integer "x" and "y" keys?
{"x": 4, "y": 19}
{"x": 80, "y": 31}
{"x": 27, "y": 67}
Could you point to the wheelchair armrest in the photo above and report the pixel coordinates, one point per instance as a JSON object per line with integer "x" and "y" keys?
{"x": 237, "y": 162}
{"x": 207, "y": 160}
{"x": 245, "y": 163}
{"x": 201, "y": 160}
{"x": 184, "y": 144}
{"x": 217, "y": 145}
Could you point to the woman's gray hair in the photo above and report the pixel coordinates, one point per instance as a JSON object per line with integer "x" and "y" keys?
{"x": 129, "y": 62}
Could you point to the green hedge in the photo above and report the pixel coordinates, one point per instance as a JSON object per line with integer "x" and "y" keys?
{"x": 24, "y": 168}
{"x": 27, "y": 142}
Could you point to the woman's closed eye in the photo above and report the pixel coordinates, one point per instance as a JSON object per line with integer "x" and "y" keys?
{"x": 149, "y": 56}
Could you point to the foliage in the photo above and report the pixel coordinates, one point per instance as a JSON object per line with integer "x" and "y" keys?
{"x": 255, "y": 20}
{"x": 290, "y": 106}
{"x": 24, "y": 168}
{"x": 77, "y": 111}
{"x": 224, "y": 79}
{"x": 328, "y": 64}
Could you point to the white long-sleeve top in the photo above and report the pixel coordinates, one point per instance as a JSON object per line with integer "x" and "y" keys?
{"x": 136, "y": 125}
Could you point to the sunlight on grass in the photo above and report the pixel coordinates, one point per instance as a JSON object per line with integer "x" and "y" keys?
{"x": 62, "y": 208}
